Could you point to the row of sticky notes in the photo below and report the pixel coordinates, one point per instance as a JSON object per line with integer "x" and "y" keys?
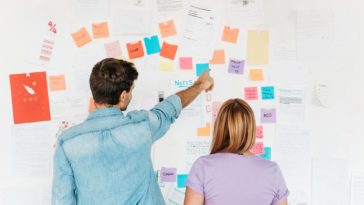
{"x": 82, "y": 37}
{"x": 267, "y": 92}
{"x": 170, "y": 175}
{"x": 136, "y": 50}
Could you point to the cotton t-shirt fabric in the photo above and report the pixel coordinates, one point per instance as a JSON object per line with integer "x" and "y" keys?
{"x": 232, "y": 179}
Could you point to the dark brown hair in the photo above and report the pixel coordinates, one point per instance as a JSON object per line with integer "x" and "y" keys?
{"x": 109, "y": 78}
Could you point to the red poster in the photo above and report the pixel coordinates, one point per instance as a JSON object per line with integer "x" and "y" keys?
{"x": 29, "y": 94}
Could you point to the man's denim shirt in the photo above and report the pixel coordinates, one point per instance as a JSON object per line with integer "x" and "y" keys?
{"x": 106, "y": 160}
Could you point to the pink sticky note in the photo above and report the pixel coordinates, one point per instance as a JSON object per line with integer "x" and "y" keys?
{"x": 259, "y": 132}
{"x": 251, "y": 93}
{"x": 113, "y": 49}
{"x": 258, "y": 148}
{"x": 185, "y": 63}
{"x": 215, "y": 110}
{"x": 268, "y": 115}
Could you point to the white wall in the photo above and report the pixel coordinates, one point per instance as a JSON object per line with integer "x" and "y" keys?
{"x": 334, "y": 132}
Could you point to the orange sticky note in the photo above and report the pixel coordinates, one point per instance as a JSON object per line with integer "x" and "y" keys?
{"x": 168, "y": 50}
{"x": 81, "y": 37}
{"x": 230, "y": 35}
{"x": 135, "y": 50}
{"x": 100, "y": 30}
{"x": 167, "y": 28}
{"x": 57, "y": 83}
{"x": 256, "y": 75}
{"x": 204, "y": 131}
{"x": 218, "y": 57}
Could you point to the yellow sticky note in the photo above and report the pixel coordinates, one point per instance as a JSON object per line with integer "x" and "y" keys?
{"x": 218, "y": 57}
{"x": 81, "y": 37}
{"x": 204, "y": 131}
{"x": 258, "y": 47}
{"x": 256, "y": 75}
{"x": 100, "y": 30}
{"x": 57, "y": 83}
{"x": 166, "y": 66}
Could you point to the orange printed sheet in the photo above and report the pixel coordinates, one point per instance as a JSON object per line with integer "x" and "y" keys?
{"x": 29, "y": 95}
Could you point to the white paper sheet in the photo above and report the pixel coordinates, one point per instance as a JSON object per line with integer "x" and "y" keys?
{"x": 330, "y": 181}
{"x": 170, "y": 5}
{"x": 291, "y": 108}
{"x": 200, "y": 32}
{"x": 245, "y": 13}
{"x": 31, "y": 150}
{"x": 357, "y": 188}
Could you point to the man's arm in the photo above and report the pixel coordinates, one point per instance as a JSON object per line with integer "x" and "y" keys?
{"x": 63, "y": 188}
{"x": 165, "y": 113}
{"x": 204, "y": 82}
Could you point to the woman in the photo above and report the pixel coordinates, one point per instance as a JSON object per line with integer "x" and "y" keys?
{"x": 231, "y": 174}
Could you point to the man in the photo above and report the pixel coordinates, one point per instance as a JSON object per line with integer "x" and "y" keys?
{"x": 106, "y": 159}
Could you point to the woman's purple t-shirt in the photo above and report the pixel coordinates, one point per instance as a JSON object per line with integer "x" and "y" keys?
{"x": 227, "y": 178}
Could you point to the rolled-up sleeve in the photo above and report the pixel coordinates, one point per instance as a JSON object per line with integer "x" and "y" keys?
{"x": 163, "y": 115}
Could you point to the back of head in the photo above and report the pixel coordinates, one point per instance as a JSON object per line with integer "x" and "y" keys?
{"x": 234, "y": 128}
{"x": 109, "y": 78}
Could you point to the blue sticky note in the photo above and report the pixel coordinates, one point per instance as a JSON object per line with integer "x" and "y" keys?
{"x": 267, "y": 153}
{"x": 152, "y": 45}
{"x": 267, "y": 92}
{"x": 200, "y": 68}
{"x": 181, "y": 180}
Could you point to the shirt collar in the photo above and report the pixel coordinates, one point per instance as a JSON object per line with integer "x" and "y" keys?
{"x": 101, "y": 112}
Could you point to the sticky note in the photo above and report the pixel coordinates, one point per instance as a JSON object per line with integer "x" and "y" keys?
{"x": 251, "y": 93}
{"x": 57, "y": 83}
{"x": 215, "y": 110}
{"x": 230, "y": 35}
{"x": 91, "y": 105}
{"x": 135, "y": 50}
{"x": 258, "y": 148}
{"x": 81, "y": 37}
{"x": 204, "y": 131}
{"x": 267, "y": 92}
{"x": 168, "y": 174}
{"x": 181, "y": 180}
{"x": 267, "y": 153}
{"x": 152, "y": 45}
{"x": 168, "y": 50}
{"x": 268, "y": 115}
{"x": 218, "y": 57}
{"x": 259, "y": 132}
{"x": 201, "y": 67}
{"x": 236, "y": 66}
{"x": 258, "y": 47}
{"x": 166, "y": 66}
{"x": 256, "y": 75}
{"x": 113, "y": 49}
{"x": 100, "y": 30}
{"x": 185, "y": 63}
{"x": 167, "y": 29}
{"x": 29, "y": 97}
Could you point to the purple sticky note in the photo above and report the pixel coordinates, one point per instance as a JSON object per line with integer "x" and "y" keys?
{"x": 268, "y": 115}
{"x": 168, "y": 174}
{"x": 236, "y": 66}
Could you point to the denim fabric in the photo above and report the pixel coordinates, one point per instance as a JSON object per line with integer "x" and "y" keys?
{"x": 106, "y": 160}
